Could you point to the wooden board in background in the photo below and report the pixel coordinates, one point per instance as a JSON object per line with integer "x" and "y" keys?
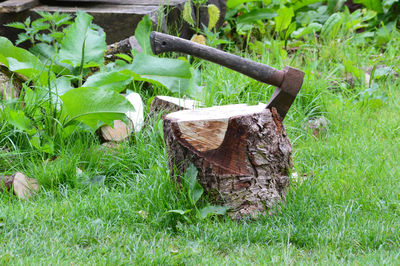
{"x": 124, "y": 2}
{"x": 11, "y": 6}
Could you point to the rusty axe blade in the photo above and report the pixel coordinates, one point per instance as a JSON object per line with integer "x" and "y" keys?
{"x": 288, "y": 80}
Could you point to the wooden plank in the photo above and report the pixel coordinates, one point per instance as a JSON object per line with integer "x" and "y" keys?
{"x": 100, "y": 8}
{"x": 133, "y": 2}
{"x": 13, "y": 6}
{"x": 118, "y": 21}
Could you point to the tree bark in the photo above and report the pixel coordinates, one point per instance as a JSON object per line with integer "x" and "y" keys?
{"x": 242, "y": 154}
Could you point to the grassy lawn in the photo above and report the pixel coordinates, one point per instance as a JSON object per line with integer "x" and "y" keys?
{"x": 346, "y": 210}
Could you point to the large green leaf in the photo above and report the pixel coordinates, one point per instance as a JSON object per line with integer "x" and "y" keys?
{"x": 284, "y": 18}
{"x": 375, "y": 5}
{"x": 142, "y": 34}
{"x": 61, "y": 85}
{"x": 22, "y": 61}
{"x": 174, "y": 74}
{"x": 302, "y": 3}
{"x": 114, "y": 80}
{"x": 213, "y": 210}
{"x": 94, "y": 107}
{"x": 312, "y": 27}
{"x": 47, "y": 54}
{"x": 331, "y": 27}
{"x": 18, "y": 119}
{"x": 42, "y": 142}
{"x": 195, "y": 189}
{"x": 7, "y": 49}
{"x": 81, "y": 40}
{"x": 234, "y": 3}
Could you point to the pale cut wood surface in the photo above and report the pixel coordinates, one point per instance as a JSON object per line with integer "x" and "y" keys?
{"x": 185, "y": 104}
{"x": 12, "y": 6}
{"x": 205, "y": 128}
{"x": 167, "y": 104}
{"x": 216, "y": 112}
{"x": 24, "y": 187}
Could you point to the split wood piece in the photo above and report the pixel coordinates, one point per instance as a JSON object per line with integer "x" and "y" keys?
{"x": 241, "y": 152}
{"x": 10, "y": 84}
{"x": 21, "y": 185}
{"x": 13, "y": 6}
{"x": 120, "y": 131}
{"x": 167, "y": 104}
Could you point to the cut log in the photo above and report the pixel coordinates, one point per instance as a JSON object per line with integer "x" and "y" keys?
{"x": 241, "y": 152}
{"x": 167, "y": 104}
{"x": 22, "y": 186}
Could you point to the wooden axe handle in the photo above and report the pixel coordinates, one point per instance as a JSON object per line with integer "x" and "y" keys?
{"x": 166, "y": 43}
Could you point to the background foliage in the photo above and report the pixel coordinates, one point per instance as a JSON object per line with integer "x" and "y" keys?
{"x": 342, "y": 207}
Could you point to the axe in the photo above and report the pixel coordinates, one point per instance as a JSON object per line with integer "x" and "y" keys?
{"x": 288, "y": 81}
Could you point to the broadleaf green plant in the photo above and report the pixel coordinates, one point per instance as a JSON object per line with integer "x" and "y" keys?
{"x": 60, "y": 96}
{"x": 22, "y": 61}
{"x": 174, "y": 74}
{"x": 34, "y": 31}
{"x": 94, "y": 106}
{"x": 54, "y": 104}
{"x": 142, "y": 34}
{"x": 82, "y": 45}
{"x": 194, "y": 192}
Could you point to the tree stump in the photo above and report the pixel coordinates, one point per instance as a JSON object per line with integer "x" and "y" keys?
{"x": 241, "y": 152}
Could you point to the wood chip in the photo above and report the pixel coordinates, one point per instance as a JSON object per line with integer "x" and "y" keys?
{"x": 22, "y": 186}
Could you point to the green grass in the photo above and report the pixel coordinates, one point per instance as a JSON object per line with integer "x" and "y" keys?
{"x": 346, "y": 211}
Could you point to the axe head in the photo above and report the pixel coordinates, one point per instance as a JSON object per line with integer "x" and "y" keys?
{"x": 285, "y": 94}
